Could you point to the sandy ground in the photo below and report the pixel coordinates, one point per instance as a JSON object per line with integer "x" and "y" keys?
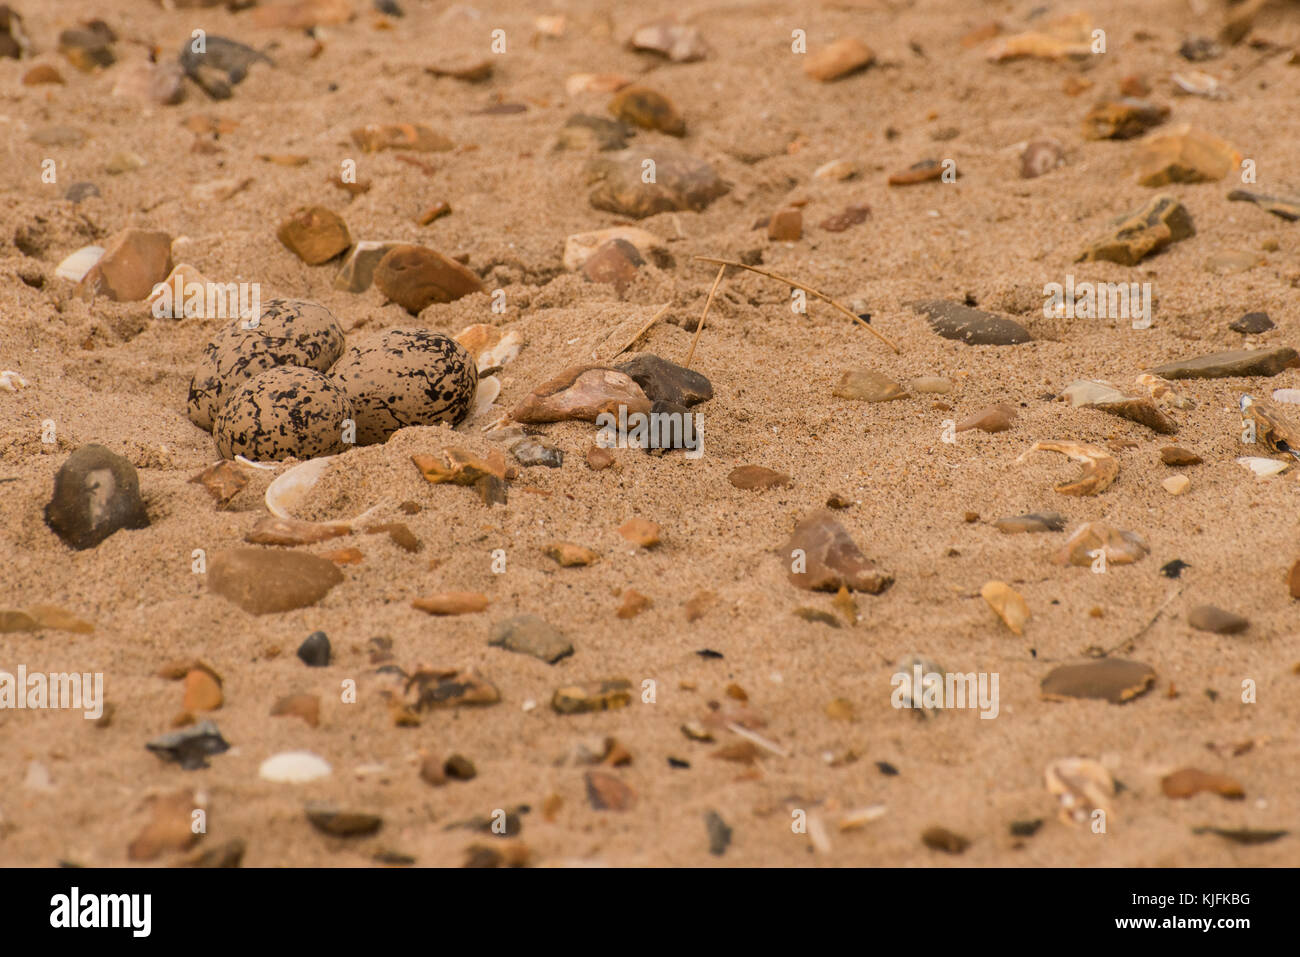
{"x": 109, "y": 373}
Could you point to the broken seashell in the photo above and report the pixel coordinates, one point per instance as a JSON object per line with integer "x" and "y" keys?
{"x": 1162, "y": 393}
{"x": 1262, "y": 467}
{"x": 489, "y": 387}
{"x": 1008, "y": 604}
{"x": 1082, "y": 786}
{"x": 1100, "y": 468}
{"x": 1196, "y": 83}
{"x": 1141, "y": 411}
{"x": 288, "y": 490}
{"x": 1117, "y": 546}
{"x": 490, "y": 347}
{"x": 1271, "y": 428}
{"x": 1287, "y": 395}
{"x": 11, "y": 381}
{"x": 853, "y": 820}
{"x": 79, "y": 263}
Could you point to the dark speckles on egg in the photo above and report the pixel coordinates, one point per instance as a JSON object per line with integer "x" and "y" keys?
{"x": 406, "y": 378}
{"x": 289, "y": 332}
{"x": 284, "y": 412}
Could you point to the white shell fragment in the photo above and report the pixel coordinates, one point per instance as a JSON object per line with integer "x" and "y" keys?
{"x": 288, "y": 490}
{"x": 1197, "y": 83}
{"x": 489, "y": 388}
{"x": 79, "y": 263}
{"x": 1287, "y": 395}
{"x": 1085, "y": 392}
{"x": 1082, "y": 786}
{"x": 294, "y": 767}
{"x": 1262, "y": 467}
{"x": 11, "y": 381}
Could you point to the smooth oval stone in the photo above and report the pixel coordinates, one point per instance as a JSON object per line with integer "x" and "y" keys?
{"x": 1213, "y": 619}
{"x": 263, "y": 582}
{"x": 1112, "y": 679}
{"x": 994, "y": 418}
{"x": 753, "y": 477}
{"x": 1173, "y": 455}
{"x": 294, "y": 767}
{"x": 343, "y": 823}
{"x": 867, "y": 385}
{"x": 1240, "y": 362}
{"x": 1031, "y": 522}
{"x": 953, "y": 320}
{"x": 933, "y": 385}
{"x": 96, "y": 493}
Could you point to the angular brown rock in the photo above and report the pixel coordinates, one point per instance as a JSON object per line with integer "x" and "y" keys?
{"x": 821, "y": 556}
{"x": 414, "y": 277}
{"x": 314, "y": 234}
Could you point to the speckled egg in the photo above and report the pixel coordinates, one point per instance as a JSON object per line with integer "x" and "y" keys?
{"x": 406, "y": 378}
{"x": 289, "y": 332}
{"x": 284, "y": 412}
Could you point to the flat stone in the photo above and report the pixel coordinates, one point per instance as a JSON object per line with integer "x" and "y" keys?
{"x": 469, "y": 70}
{"x": 681, "y": 183}
{"x": 1239, "y": 363}
{"x": 756, "y": 477}
{"x": 615, "y": 263}
{"x": 953, "y": 320}
{"x": 170, "y": 826}
{"x": 1184, "y": 154}
{"x": 202, "y": 691}
{"x": 1213, "y": 619}
{"x": 358, "y": 270}
{"x": 1122, "y": 119}
{"x": 452, "y": 603}
{"x": 569, "y": 555}
{"x": 582, "y": 131}
{"x": 1119, "y": 547}
{"x": 648, "y": 109}
{"x": 338, "y": 822}
{"x": 1162, "y": 221}
{"x": 415, "y": 277}
{"x": 1031, "y": 522}
{"x": 1008, "y": 604}
{"x": 294, "y": 767}
{"x": 665, "y": 381}
{"x": 190, "y": 747}
{"x": 1252, "y": 324}
{"x": 640, "y": 531}
{"x": 606, "y": 792}
{"x": 1286, "y": 207}
{"x": 582, "y": 392}
{"x": 1040, "y": 157}
{"x": 531, "y": 451}
{"x": 1229, "y": 262}
{"x": 941, "y": 839}
{"x": 134, "y": 261}
{"x": 58, "y": 135}
{"x": 592, "y": 696}
{"x": 633, "y": 604}
{"x": 451, "y": 688}
{"x": 314, "y": 652}
{"x": 932, "y": 385}
{"x": 849, "y": 216}
{"x": 839, "y": 59}
{"x": 96, "y": 493}
{"x": 786, "y": 224}
{"x": 993, "y": 418}
{"x": 867, "y": 385}
{"x": 415, "y": 137}
{"x": 828, "y": 558}
{"x": 1173, "y": 455}
{"x": 314, "y": 234}
{"x": 43, "y": 74}
{"x": 598, "y": 458}
{"x": 1110, "y": 679}
{"x": 1187, "y": 782}
{"x": 265, "y": 582}
{"x": 531, "y": 635}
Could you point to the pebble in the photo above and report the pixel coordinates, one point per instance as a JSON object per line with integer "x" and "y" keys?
{"x": 314, "y": 234}
{"x": 1240, "y": 363}
{"x": 837, "y": 169}
{"x": 1243, "y": 835}
{"x": 1213, "y": 619}
{"x": 415, "y": 277}
{"x": 265, "y": 582}
{"x": 190, "y": 747}
{"x": 170, "y": 826}
{"x": 133, "y": 262}
{"x": 270, "y": 530}
{"x": 681, "y": 183}
{"x": 403, "y": 378}
{"x": 41, "y": 74}
{"x": 399, "y": 534}
{"x": 358, "y": 270}
{"x": 124, "y": 162}
{"x": 1163, "y": 220}
{"x": 96, "y": 493}
{"x": 1176, "y": 484}
{"x": 867, "y": 385}
{"x": 304, "y": 706}
{"x": 719, "y": 833}
{"x": 1293, "y": 580}
{"x": 1007, "y": 604}
{"x": 1040, "y": 157}
{"x": 648, "y": 109}
{"x": 531, "y": 635}
{"x": 285, "y": 412}
{"x": 831, "y": 559}
{"x": 469, "y": 71}
{"x": 1199, "y": 49}
{"x": 607, "y": 792}
{"x": 941, "y": 839}
{"x": 288, "y": 332}
{"x": 314, "y": 652}
{"x": 922, "y": 172}
{"x": 844, "y": 57}
{"x": 1188, "y": 782}
{"x": 785, "y": 225}
{"x": 952, "y": 320}
{"x": 491, "y": 346}
{"x": 580, "y": 247}
{"x": 932, "y": 385}
{"x": 579, "y": 83}
{"x": 849, "y": 216}
{"x": 452, "y": 603}
{"x": 569, "y": 555}
{"x": 1066, "y": 36}
{"x": 757, "y": 478}
{"x": 1123, "y": 119}
{"x": 1086, "y": 393}
{"x": 633, "y": 604}
{"x": 1252, "y": 324}
{"x": 615, "y": 263}
{"x": 222, "y": 64}
{"x": 1081, "y": 786}
{"x": 582, "y": 392}
{"x": 1285, "y": 207}
{"x": 42, "y": 617}
{"x": 1184, "y": 154}
{"x": 582, "y": 131}
{"x": 451, "y": 688}
{"x": 1120, "y": 547}
{"x": 1142, "y": 411}
{"x": 640, "y": 531}
{"x": 667, "y": 37}
{"x": 592, "y": 696}
{"x": 816, "y": 616}
{"x": 294, "y": 767}
{"x": 1111, "y": 679}
{"x": 202, "y": 691}
{"x": 598, "y": 458}
{"x": 993, "y": 418}
{"x": 89, "y": 47}
{"x": 1031, "y": 522}
{"x": 338, "y": 822}
{"x": 664, "y": 381}
{"x": 78, "y": 193}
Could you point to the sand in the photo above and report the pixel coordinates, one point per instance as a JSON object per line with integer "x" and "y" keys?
{"x": 110, "y": 373}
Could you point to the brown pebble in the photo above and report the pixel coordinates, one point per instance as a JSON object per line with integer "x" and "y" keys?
{"x": 614, "y": 263}
{"x": 700, "y": 603}
{"x": 436, "y": 211}
{"x": 921, "y": 172}
{"x": 1186, "y": 782}
{"x": 42, "y": 73}
{"x": 202, "y": 691}
{"x": 305, "y": 706}
{"x": 755, "y": 477}
{"x": 569, "y": 555}
{"x": 401, "y": 136}
{"x": 607, "y": 792}
{"x": 633, "y": 604}
{"x": 1293, "y": 579}
{"x": 941, "y": 839}
{"x": 343, "y": 556}
{"x": 640, "y": 531}
{"x": 842, "y": 58}
{"x": 786, "y": 225}
{"x": 452, "y": 603}
{"x": 1213, "y": 619}
{"x": 850, "y": 216}
{"x": 648, "y": 109}
{"x": 314, "y": 234}
{"x": 433, "y": 771}
{"x": 993, "y": 418}
{"x": 598, "y": 458}
{"x": 460, "y": 768}
{"x": 1173, "y": 455}
{"x": 415, "y": 277}
{"x": 169, "y": 828}
{"x": 1111, "y": 679}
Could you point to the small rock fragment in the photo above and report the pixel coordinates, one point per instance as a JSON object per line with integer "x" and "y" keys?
{"x": 1240, "y": 363}
{"x": 681, "y": 183}
{"x": 338, "y": 822}
{"x": 756, "y": 477}
{"x": 1213, "y": 619}
{"x": 569, "y": 555}
{"x": 1007, "y": 604}
{"x": 314, "y": 234}
{"x": 314, "y": 652}
{"x": 582, "y": 392}
{"x": 531, "y": 635}
{"x": 190, "y": 747}
{"x": 1184, "y": 155}
{"x": 1122, "y": 119}
{"x": 305, "y": 706}
{"x": 941, "y": 839}
{"x": 1031, "y": 522}
{"x": 294, "y": 767}
{"x": 1110, "y": 679}
{"x": 1252, "y": 324}
{"x": 592, "y": 696}
{"x": 1083, "y": 787}
{"x": 974, "y": 327}
{"x": 266, "y": 582}
{"x": 648, "y": 109}
{"x": 400, "y": 136}
{"x": 452, "y": 603}
{"x": 1188, "y": 782}
{"x": 867, "y": 385}
{"x": 1116, "y": 545}
{"x": 1041, "y": 157}
{"x": 1176, "y": 484}
{"x": 994, "y": 418}
{"x": 842, "y": 58}
{"x": 133, "y": 262}
{"x": 640, "y": 531}
{"x": 607, "y": 792}
{"x": 823, "y": 557}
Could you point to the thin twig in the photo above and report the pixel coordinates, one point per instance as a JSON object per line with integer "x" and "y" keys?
{"x": 640, "y": 332}
{"x": 808, "y": 289}
{"x": 1127, "y": 644}
{"x": 704, "y": 315}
